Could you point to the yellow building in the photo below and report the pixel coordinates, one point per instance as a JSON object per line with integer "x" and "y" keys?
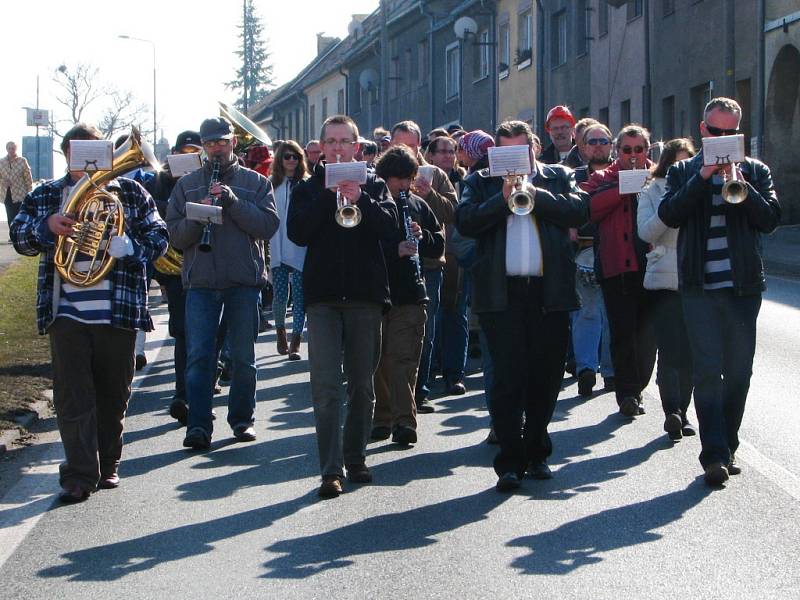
{"x": 516, "y": 60}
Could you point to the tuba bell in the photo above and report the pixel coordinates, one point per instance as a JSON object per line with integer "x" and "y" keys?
{"x": 247, "y": 133}
{"x": 170, "y": 263}
{"x": 98, "y": 214}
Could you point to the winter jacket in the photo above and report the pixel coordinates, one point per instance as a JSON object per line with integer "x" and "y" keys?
{"x": 662, "y": 259}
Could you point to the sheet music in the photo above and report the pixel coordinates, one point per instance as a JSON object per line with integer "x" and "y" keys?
{"x": 631, "y": 181}
{"x": 505, "y": 160}
{"x": 336, "y": 173}
{"x": 723, "y": 149}
{"x": 204, "y": 213}
{"x": 91, "y": 155}
{"x": 426, "y": 173}
{"x": 183, "y": 164}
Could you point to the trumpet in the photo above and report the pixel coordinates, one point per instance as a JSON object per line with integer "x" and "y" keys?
{"x": 521, "y": 198}
{"x": 347, "y": 215}
{"x": 734, "y": 190}
{"x": 205, "y": 241}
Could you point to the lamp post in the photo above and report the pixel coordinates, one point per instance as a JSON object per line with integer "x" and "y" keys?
{"x": 153, "y": 45}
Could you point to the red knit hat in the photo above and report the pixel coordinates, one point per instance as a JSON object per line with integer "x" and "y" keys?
{"x": 558, "y": 112}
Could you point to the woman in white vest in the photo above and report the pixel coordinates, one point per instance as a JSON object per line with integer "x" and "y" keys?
{"x": 287, "y": 258}
{"x": 674, "y": 376}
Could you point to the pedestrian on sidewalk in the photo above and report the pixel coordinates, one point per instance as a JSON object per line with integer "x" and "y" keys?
{"x": 15, "y": 180}
{"x": 721, "y": 281}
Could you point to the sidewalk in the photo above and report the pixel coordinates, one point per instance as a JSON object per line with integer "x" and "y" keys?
{"x": 7, "y": 253}
{"x": 781, "y": 251}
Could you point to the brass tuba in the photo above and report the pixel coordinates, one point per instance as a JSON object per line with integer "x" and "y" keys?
{"x": 170, "y": 263}
{"x": 99, "y": 215}
{"x": 247, "y": 133}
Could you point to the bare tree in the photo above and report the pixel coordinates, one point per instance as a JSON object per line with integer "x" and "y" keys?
{"x": 121, "y": 114}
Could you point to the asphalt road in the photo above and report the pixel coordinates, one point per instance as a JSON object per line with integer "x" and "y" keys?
{"x": 626, "y": 516}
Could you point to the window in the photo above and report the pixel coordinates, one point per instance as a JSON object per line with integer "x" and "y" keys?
{"x": 324, "y": 108}
{"x": 481, "y": 65}
{"x": 558, "y": 38}
{"x": 504, "y": 47}
{"x": 624, "y": 113}
{"x": 602, "y": 17}
{"x": 525, "y": 32}
{"x": 452, "y": 71}
{"x": 312, "y": 119}
{"x": 407, "y": 75}
{"x": 667, "y": 7}
{"x": 634, "y": 9}
{"x": 668, "y": 118}
{"x": 603, "y": 115}
{"x": 582, "y": 28}
{"x": 584, "y": 112}
{"x": 394, "y": 77}
{"x": 700, "y": 96}
{"x": 297, "y": 135}
{"x": 422, "y": 61}
{"x": 340, "y": 108}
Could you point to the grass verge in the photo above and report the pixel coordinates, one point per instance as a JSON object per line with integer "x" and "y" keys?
{"x": 24, "y": 354}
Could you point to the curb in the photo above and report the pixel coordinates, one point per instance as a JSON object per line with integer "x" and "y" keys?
{"x": 37, "y": 410}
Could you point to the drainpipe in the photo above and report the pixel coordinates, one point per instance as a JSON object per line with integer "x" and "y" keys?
{"x": 493, "y": 65}
{"x": 384, "y": 63}
{"x": 647, "y": 100}
{"x": 346, "y": 75}
{"x": 762, "y": 80}
{"x": 730, "y": 49}
{"x": 540, "y": 108}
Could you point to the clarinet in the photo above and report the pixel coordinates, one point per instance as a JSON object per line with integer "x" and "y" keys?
{"x": 419, "y": 282}
{"x": 205, "y": 241}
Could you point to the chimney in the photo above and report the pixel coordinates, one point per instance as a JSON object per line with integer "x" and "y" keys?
{"x": 324, "y": 43}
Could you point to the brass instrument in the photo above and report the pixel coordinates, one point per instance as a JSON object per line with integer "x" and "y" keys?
{"x": 347, "y": 215}
{"x": 521, "y": 198}
{"x": 247, "y": 133}
{"x": 99, "y": 215}
{"x": 205, "y": 241}
{"x": 419, "y": 281}
{"x": 170, "y": 263}
{"x": 734, "y": 190}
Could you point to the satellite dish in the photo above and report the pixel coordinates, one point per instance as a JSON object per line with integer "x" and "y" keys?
{"x": 368, "y": 79}
{"x": 463, "y": 26}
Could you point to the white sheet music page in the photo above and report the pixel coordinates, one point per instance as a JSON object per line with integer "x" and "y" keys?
{"x": 183, "y": 164}
{"x": 91, "y": 155}
{"x": 631, "y": 181}
{"x": 723, "y": 149}
{"x": 509, "y": 160}
{"x": 336, "y": 173}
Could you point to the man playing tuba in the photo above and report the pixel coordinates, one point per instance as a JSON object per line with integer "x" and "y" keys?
{"x": 92, "y": 328}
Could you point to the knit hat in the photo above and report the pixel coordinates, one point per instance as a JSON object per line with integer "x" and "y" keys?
{"x": 558, "y": 112}
{"x": 476, "y": 144}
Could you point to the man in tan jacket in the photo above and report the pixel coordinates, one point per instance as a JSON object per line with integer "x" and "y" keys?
{"x": 15, "y": 180}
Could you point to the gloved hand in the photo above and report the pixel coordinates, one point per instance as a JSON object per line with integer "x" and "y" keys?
{"x": 120, "y": 246}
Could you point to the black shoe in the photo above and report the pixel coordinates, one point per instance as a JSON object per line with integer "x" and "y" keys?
{"x": 492, "y": 437}
{"x": 225, "y": 374}
{"x": 716, "y": 474}
{"x": 331, "y": 487}
{"x": 540, "y": 470}
{"x": 675, "y": 436}
{"x": 629, "y": 406}
{"x": 508, "y": 482}
{"x": 358, "y": 473}
{"x": 72, "y": 493}
{"x": 424, "y": 407}
{"x": 639, "y": 405}
{"x": 609, "y": 385}
{"x": 586, "y": 380}
{"x": 570, "y": 367}
{"x": 244, "y": 433}
{"x": 179, "y": 411}
{"x": 456, "y": 389}
{"x": 380, "y": 433}
{"x": 141, "y": 362}
{"x": 688, "y": 429}
{"x": 404, "y": 435}
{"x": 197, "y": 439}
{"x": 733, "y": 466}
{"x": 673, "y": 425}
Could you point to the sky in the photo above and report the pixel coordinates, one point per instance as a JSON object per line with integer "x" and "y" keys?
{"x": 194, "y": 41}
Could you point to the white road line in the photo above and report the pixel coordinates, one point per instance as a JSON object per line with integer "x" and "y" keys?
{"x": 781, "y": 477}
{"x": 27, "y": 501}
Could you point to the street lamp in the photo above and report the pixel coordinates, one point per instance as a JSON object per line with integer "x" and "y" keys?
{"x": 153, "y": 45}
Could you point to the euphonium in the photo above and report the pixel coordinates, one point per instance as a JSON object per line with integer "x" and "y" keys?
{"x": 734, "y": 190}
{"x": 520, "y": 200}
{"x": 347, "y": 215}
{"x": 99, "y": 215}
{"x": 171, "y": 263}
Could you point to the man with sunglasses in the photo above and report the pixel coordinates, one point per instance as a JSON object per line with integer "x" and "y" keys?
{"x": 721, "y": 280}
{"x": 230, "y": 275}
{"x": 346, "y": 289}
{"x": 620, "y": 267}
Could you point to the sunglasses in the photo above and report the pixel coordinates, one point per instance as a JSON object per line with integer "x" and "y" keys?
{"x": 289, "y": 156}
{"x": 635, "y": 149}
{"x": 598, "y": 142}
{"x": 716, "y": 131}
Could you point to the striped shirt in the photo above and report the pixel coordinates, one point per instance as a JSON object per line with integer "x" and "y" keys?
{"x": 717, "y": 260}
{"x": 90, "y": 305}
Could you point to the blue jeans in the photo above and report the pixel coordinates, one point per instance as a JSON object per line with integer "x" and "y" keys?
{"x": 203, "y": 311}
{"x": 722, "y": 334}
{"x": 433, "y": 287}
{"x": 455, "y": 335}
{"x": 590, "y": 333}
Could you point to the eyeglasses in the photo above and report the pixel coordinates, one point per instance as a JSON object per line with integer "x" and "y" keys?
{"x": 598, "y": 142}
{"x": 342, "y": 143}
{"x": 634, "y": 150}
{"x": 716, "y": 131}
{"x": 289, "y": 156}
{"x": 214, "y": 143}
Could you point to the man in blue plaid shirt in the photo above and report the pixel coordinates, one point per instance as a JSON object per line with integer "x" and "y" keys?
{"x": 92, "y": 329}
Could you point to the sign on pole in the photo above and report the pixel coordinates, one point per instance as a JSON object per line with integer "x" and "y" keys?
{"x": 38, "y": 117}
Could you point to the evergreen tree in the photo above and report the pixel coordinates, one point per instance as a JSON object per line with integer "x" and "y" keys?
{"x": 254, "y": 78}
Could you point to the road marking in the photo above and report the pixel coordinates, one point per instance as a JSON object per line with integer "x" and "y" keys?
{"x": 783, "y": 478}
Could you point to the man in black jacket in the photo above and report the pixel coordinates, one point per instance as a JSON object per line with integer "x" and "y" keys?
{"x": 346, "y": 292}
{"x": 525, "y": 288}
{"x": 721, "y": 278}
{"x": 404, "y": 323}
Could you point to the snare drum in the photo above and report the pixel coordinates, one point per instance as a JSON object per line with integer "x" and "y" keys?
{"x": 584, "y": 262}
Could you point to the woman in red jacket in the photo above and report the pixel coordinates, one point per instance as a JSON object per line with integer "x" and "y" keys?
{"x": 620, "y": 266}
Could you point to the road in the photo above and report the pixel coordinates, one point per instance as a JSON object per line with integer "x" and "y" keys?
{"x": 627, "y": 514}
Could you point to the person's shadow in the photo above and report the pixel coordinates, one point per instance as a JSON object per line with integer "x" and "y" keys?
{"x": 585, "y": 541}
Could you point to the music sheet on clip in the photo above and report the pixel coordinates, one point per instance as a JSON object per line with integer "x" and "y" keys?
{"x": 336, "y": 173}
{"x": 509, "y": 160}
{"x": 183, "y": 164}
{"x": 631, "y": 181}
{"x": 723, "y": 149}
{"x": 91, "y": 155}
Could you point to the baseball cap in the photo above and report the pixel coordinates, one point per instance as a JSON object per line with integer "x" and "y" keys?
{"x": 216, "y": 128}
{"x": 559, "y": 112}
{"x": 188, "y": 138}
